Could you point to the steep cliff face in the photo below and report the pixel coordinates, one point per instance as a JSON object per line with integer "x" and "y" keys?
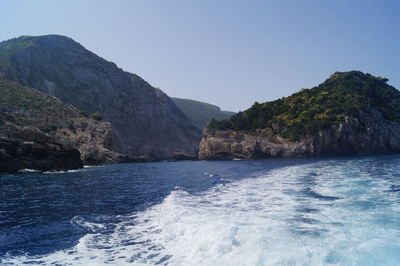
{"x": 368, "y": 134}
{"x": 370, "y": 125}
{"x": 40, "y": 124}
{"x": 145, "y": 121}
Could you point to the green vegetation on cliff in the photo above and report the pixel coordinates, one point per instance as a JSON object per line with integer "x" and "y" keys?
{"x": 28, "y": 107}
{"x": 27, "y": 115}
{"x": 343, "y": 95}
{"x": 13, "y": 45}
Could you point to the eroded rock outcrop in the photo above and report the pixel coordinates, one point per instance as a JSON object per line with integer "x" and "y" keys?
{"x": 44, "y": 154}
{"x": 39, "y": 132}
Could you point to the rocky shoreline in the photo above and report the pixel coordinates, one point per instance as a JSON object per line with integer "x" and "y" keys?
{"x": 370, "y": 133}
{"x": 39, "y": 132}
{"x": 16, "y": 155}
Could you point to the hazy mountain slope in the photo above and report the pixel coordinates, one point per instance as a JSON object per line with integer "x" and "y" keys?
{"x": 145, "y": 121}
{"x": 201, "y": 113}
{"x": 349, "y": 113}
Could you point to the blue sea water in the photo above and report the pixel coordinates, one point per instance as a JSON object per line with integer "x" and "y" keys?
{"x": 335, "y": 211}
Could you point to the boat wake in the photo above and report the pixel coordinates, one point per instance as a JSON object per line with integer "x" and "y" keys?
{"x": 315, "y": 214}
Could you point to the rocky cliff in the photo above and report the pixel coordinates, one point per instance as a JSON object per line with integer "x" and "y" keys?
{"x": 43, "y": 154}
{"x": 350, "y": 113}
{"x": 37, "y": 131}
{"x": 145, "y": 121}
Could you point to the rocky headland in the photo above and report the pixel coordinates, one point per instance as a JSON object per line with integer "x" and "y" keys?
{"x": 350, "y": 113}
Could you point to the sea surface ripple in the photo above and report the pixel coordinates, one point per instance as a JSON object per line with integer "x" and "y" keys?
{"x": 333, "y": 211}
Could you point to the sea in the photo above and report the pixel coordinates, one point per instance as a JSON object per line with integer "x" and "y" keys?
{"x": 329, "y": 211}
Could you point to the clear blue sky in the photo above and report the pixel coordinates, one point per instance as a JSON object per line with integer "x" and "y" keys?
{"x": 230, "y": 53}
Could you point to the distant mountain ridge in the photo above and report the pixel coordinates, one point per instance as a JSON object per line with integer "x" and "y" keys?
{"x": 201, "y": 113}
{"x": 350, "y": 113}
{"x": 145, "y": 121}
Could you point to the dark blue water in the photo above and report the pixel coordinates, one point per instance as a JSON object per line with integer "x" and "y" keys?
{"x": 287, "y": 212}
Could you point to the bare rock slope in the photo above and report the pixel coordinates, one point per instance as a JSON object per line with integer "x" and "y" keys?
{"x": 145, "y": 121}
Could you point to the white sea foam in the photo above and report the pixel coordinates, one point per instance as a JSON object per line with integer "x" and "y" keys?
{"x": 63, "y": 172}
{"x": 27, "y": 170}
{"x": 299, "y": 215}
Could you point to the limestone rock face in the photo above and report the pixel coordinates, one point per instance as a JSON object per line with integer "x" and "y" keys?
{"x": 145, "y": 121}
{"x": 369, "y": 133}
